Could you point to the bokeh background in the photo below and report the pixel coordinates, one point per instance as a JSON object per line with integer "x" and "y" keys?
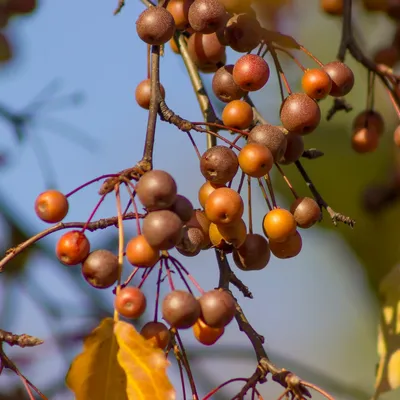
{"x": 319, "y": 312}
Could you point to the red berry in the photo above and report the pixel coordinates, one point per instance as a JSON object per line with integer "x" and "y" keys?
{"x": 72, "y": 248}
{"x": 51, "y": 206}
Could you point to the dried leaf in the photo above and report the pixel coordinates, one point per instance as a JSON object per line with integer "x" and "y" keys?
{"x": 144, "y": 365}
{"x": 96, "y": 373}
{"x": 280, "y": 39}
{"x": 388, "y": 372}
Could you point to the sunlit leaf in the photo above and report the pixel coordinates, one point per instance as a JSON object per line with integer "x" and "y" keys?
{"x": 145, "y": 366}
{"x": 281, "y": 40}
{"x": 388, "y": 371}
{"x": 95, "y": 374}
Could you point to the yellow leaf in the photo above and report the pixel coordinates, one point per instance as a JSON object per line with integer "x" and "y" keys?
{"x": 95, "y": 374}
{"x": 144, "y": 365}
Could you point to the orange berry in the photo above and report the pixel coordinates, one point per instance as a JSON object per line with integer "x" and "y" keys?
{"x": 365, "y": 140}
{"x": 205, "y": 190}
{"x": 316, "y": 83}
{"x": 255, "y": 160}
{"x": 140, "y": 254}
{"x": 279, "y": 224}
{"x": 72, "y": 248}
{"x": 237, "y": 114}
{"x": 396, "y": 136}
{"x": 51, "y": 206}
{"x": 332, "y": 7}
{"x": 234, "y": 234}
{"x": 130, "y": 302}
{"x": 206, "y": 334}
{"x": 143, "y": 93}
{"x": 290, "y": 248}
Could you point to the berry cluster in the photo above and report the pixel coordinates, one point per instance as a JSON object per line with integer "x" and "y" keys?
{"x": 8, "y": 10}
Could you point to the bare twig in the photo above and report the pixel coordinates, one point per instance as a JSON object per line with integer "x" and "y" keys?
{"x": 22, "y": 340}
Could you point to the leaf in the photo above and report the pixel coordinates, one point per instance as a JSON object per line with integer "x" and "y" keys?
{"x": 145, "y": 366}
{"x": 96, "y": 373}
{"x": 388, "y": 371}
{"x": 280, "y": 39}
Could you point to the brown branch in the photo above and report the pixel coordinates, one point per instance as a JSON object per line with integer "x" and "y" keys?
{"x": 22, "y": 340}
{"x": 92, "y": 226}
{"x": 120, "y": 6}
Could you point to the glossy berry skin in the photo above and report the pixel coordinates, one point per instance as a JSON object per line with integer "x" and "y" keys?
{"x": 279, "y": 224}
{"x": 224, "y": 206}
{"x": 155, "y": 26}
{"x": 290, "y": 248}
{"x": 100, "y": 269}
{"x": 72, "y": 248}
{"x": 365, "y": 140}
{"x": 342, "y": 78}
{"x": 316, "y": 83}
{"x": 255, "y": 160}
{"x": 251, "y": 72}
{"x": 140, "y": 254}
{"x": 51, "y": 206}
{"x": 294, "y": 148}
{"x": 370, "y": 119}
{"x": 218, "y": 308}
{"x": 237, "y": 114}
{"x": 206, "y": 334}
{"x": 300, "y": 114}
{"x": 205, "y": 190}
{"x": 143, "y": 93}
{"x": 179, "y": 10}
{"x": 332, "y": 7}
{"x": 306, "y": 212}
{"x": 157, "y": 334}
{"x": 130, "y": 302}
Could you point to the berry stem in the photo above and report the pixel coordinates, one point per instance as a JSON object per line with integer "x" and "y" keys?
{"x": 90, "y": 182}
{"x": 264, "y": 192}
{"x": 120, "y": 244}
{"x": 317, "y": 389}
{"x": 249, "y": 205}
{"x": 295, "y": 59}
{"x": 182, "y": 378}
{"x": 169, "y": 275}
{"x": 218, "y": 388}
{"x": 309, "y": 54}
{"x": 132, "y": 195}
{"x": 178, "y": 265}
{"x": 146, "y": 274}
{"x": 220, "y": 126}
{"x": 241, "y": 182}
{"x": 196, "y": 149}
{"x": 290, "y": 186}
{"x": 281, "y": 74}
{"x": 267, "y": 180}
{"x": 160, "y": 269}
{"x": 93, "y": 212}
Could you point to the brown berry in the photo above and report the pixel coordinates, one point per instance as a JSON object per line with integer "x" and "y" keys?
{"x": 251, "y": 72}
{"x": 156, "y": 190}
{"x": 182, "y": 207}
{"x": 200, "y": 221}
{"x": 224, "y": 206}
{"x": 290, "y": 248}
{"x": 306, "y": 212}
{"x": 180, "y": 309}
{"x": 206, "y": 16}
{"x": 51, "y": 206}
{"x": 143, "y": 93}
{"x": 300, "y": 113}
{"x": 140, "y": 254}
{"x": 224, "y": 87}
{"x": 72, "y": 248}
{"x": 370, "y": 119}
{"x": 192, "y": 241}
{"x": 218, "y": 308}
{"x": 155, "y": 25}
{"x": 271, "y": 137}
{"x": 238, "y": 114}
{"x": 130, "y": 302}
{"x": 254, "y": 254}
{"x": 365, "y": 140}
{"x": 342, "y": 78}
{"x": 100, "y": 269}
{"x": 157, "y": 334}
{"x": 294, "y": 148}
{"x": 219, "y": 165}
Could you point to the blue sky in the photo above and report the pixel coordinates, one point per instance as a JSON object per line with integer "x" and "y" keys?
{"x": 300, "y": 305}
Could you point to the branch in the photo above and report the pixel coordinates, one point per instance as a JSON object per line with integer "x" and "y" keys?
{"x": 92, "y": 226}
{"x": 312, "y": 154}
{"x": 22, "y": 340}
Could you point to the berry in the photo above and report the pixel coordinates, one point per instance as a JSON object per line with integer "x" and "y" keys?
{"x": 224, "y": 87}
{"x": 205, "y": 190}
{"x": 183, "y": 208}
{"x": 200, "y": 221}
{"x": 206, "y": 16}
{"x": 140, "y": 254}
{"x": 234, "y": 234}
{"x": 162, "y": 229}
{"x": 143, "y": 93}
{"x": 316, "y": 83}
{"x": 396, "y": 136}
{"x": 100, "y": 269}
{"x": 251, "y": 72}
{"x": 174, "y": 47}
{"x": 6, "y": 50}
{"x": 333, "y": 7}
{"x": 365, "y": 140}
{"x": 219, "y": 165}
{"x": 224, "y": 206}
{"x": 255, "y": 160}
{"x": 51, "y": 206}
{"x": 218, "y": 308}
{"x": 294, "y": 148}
{"x": 236, "y": 6}
{"x": 156, "y": 333}
{"x": 72, "y": 248}
{"x": 130, "y": 302}
{"x": 290, "y": 248}
{"x": 254, "y": 254}
{"x": 156, "y": 190}
{"x": 155, "y": 26}
{"x": 205, "y": 49}
{"x": 21, "y": 6}
{"x": 375, "y": 5}
{"x": 279, "y": 224}
{"x": 369, "y": 119}
{"x": 180, "y": 309}
{"x": 306, "y": 212}
{"x": 238, "y": 114}
{"x": 205, "y": 334}
{"x": 300, "y": 113}
{"x": 342, "y": 78}
{"x": 192, "y": 241}
{"x": 179, "y": 10}
{"x": 388, "y": 56}
{"x": 271, "y": 137}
